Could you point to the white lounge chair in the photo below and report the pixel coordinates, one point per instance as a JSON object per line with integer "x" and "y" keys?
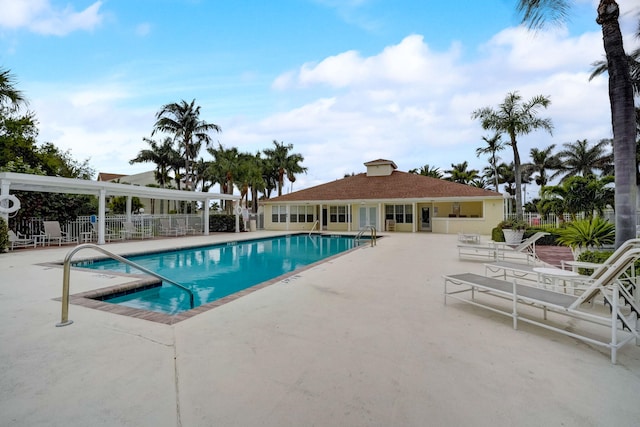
{"x": 166, "y": 229}
{"x": 53, "y": 232}
{"x": 130, "y": 231}
{"x": 617, "y": 318}
{"x": 108, "y": 233}
{"x": 185, "y": 227}
{"x": 499, "y": 250}
{"x": 19, "y": 241}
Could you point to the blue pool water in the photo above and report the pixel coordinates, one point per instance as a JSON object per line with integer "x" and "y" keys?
{"x": 213, "y": 272}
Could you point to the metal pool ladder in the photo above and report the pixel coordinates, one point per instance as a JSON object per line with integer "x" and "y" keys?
{"x": 314, "y": 227}
{"x": 67, "y": 273}
{"x": 363, "y": 230}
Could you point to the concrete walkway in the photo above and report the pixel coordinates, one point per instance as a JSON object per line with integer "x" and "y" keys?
{"x": 362, "y": 340}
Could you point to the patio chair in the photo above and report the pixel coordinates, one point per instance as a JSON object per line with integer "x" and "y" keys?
{"x": 500, "y": 250}
{"x": 130, "y": 231}
{"x": 19, "y": 241}
{"x": 184, "y": 227}
{"x": 166, "y": 229}
{"x": 621, "y": 316}
{"x": 53, "y": 232}
{"x": 108, "y": 233}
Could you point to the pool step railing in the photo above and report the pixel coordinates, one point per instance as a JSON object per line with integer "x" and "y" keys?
{"x": 364, "y": 230}
{"x": 317, "y": 223}
{"x": 67, "y": 273}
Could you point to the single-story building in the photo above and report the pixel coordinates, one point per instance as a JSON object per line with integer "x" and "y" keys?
{"x": 389, "y": 200}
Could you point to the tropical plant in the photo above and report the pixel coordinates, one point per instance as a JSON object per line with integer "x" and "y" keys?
{"x": 10, "y": 97}
{"x": 536, "y": 14}
{"x": 542, "y": 160}
{"x": 512, "y": 224}
{"x": 182, "y": 120}
{"x": 589, "y": 195}
{"x": 515, "y": 117}
{"x": 586, "y": 234}
{"x": 428, "y": 170}
{"x": 579, "y": 159}
{"x": 494, "y": 144}
{"x": 224, "y": 169}
{"x": 283, "y": 163}
{"x": 461, "y": 174}
{"x": 162, "y": 154}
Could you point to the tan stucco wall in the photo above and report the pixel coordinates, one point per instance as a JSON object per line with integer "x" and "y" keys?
{"x": 489, "y": 213}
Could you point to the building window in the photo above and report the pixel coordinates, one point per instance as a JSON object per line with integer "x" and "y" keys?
{"x": 338, "y": 214}
{"x": 401, "y": 214}
{"x": 279, "y": 213}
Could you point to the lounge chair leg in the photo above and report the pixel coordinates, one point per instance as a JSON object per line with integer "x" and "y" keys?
{"x": 614, "y": 323}
{"x": 515, "y": 306}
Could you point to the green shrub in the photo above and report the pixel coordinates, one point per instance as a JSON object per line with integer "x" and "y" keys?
{"x": 4, "y": 235}
{"x": 224, "y": 223}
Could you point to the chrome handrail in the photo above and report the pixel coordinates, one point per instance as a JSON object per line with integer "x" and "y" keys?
{"x": 67, "y": 273}
{"x": 314, "y": 226}
{"x": 362, "y": 231}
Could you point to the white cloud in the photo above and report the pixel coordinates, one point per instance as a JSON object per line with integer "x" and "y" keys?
{"x": 407, "y": 103}
{"x": 40, "y": 16}
{"x": 408, "y": 63}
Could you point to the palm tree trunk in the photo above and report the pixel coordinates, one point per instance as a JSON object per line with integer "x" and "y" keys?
{"x": 623, "y": 121}
{"x": 518, "y": 177}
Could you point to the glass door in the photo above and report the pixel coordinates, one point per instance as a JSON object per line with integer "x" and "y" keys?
{"x": 425, "y": 218}
{"x": 368, "y": 215}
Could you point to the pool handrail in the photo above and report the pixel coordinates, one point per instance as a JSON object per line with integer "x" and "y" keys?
{"x": 67, "y": 273}
{"x": 314, "y": 226}
{"x": 362, "y": 231}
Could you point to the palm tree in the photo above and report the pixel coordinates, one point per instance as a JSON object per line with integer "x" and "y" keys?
{"x": 459, "y": 173}
{"x": 250, "y": 179}
{"x": 163, "y": 155}
{"x": 542, "y": 160}
{"x": 427, "y": 170}
{"x": 578, "y": 159}
{"x": 515, "y": 118}
{"x": 494, "y": 144}
{"x": 10, "y": 97}
{"x": 183, "y": 121}
{"x": 537, "y": 13}
{"x": 284, "y": 163}
{"x": 224, "y": 168}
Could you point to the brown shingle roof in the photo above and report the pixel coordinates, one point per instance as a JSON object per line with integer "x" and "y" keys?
{"x": 398, "y": 185}
{"x": 105, "y": 176}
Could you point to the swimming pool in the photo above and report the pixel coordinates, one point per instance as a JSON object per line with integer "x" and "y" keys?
{"x": 216, "y": 271}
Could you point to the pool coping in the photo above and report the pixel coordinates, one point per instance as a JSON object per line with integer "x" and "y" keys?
{"x": 91, "y": 299}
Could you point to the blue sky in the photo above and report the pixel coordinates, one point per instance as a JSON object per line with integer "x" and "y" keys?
{"x": 345, "y": 82}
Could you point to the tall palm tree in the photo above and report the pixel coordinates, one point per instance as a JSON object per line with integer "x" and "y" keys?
{"x": 542, "y": 161}
{"x": 10, "y": 97}
{"x": 284, "y": 163}
{"x": 579, "y": 159}
{"x": 494, "y": 144}
{"x": 536, "y": 13}
{"x": 427, "y": 170}
{"x": 461, "y": 174}
{"x": 182, "y": 120}
{"x": 515, "y": 117}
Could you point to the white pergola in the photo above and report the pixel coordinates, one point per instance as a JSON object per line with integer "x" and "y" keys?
{"x": 10, "y": 181}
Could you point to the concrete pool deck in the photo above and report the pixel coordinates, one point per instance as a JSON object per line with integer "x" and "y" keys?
{"x": 361, "y": 340}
